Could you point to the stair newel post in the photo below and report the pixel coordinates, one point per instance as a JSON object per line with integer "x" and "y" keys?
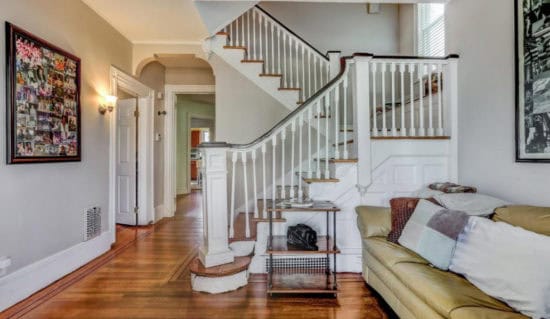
{"x": 292, "y": 162}
{"x": 309, "y": 153}
{"x": 233, "y": 175}
{"x": 254, "y": 184}
{"x": 374, "y": 113}
{"x": 334, "y": 63}
{"x": 274, "y": 171}
{"x": 215, "y": 247}
{"x": 411, "y": 72}
{"x": 393, "y": 119}
{"x": 245, "y": 186}
{"x": 402, "y": 70}
{"x": 300, "y": 137}
{"x": 345, "y": 104}
{"x": 283, "y": 185}
{"x": 362, "y": 129}
{"x": 264, "y": 181}
{"x": 450, "y": 86}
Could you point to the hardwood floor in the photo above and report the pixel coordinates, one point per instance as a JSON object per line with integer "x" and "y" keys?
{"x": 150, "y": 279}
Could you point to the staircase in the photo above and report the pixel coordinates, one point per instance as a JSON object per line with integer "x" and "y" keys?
{"x": 362, "y": 129}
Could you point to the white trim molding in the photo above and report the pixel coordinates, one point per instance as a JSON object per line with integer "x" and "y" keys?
{"x": 30, "y": 279}
{"x": 145, "y": 96}
{"x": 170, "y": 92}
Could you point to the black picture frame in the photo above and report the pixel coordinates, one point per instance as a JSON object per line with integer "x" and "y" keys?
{"x": 42, "y": 100}
{"x": 532, "y": 69}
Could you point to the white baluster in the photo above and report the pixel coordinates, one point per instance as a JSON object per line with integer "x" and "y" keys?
{"x": 440, "y": 102}
{"x": 297, "y": 84}
{"x": 346, "y": 153}
{"x": 245, "y": 180}
{"x": 283, "y": 172}
{"x": 290, "y": 63}
{"x": 230, "y": 37}
{"x": 303, "y": 65}
{"x": 242, "y": 30}
{"x": 255, "y": 51}
{"x": 318, "y": 139}
{"x": 413, "y": 125}
{"x": 300, "y": 137}
{"x": 274, "y": 171}
{"x": 309, "y": 153}
{"x": 394, "y": 125}
{"x": 421, "y": 129}
{"x": 272, "y": 50}
{"x": 309, "y": 74}
{"x": 264, "y": 180}
{"x": 248, "y": 33}
{"x": 279, "y": 42}
{"x": 292, "y": 163}
{"x": 384, "y": 126}
{"x": 316, "y": 87}
{"x": 431, "y": 131}
{"x": 254, "y": 185}
{"x": 327, "y": 105}
{"x": 285, "y": 75}
{"x": 374, "y": 112}
{"x": 234, "y": 172}
{"x": 403, "y": 125}
{"x": 260, "y": 38}
{"x": 337, "y": 122}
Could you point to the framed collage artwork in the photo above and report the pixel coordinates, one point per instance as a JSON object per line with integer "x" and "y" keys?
{"x": 43, "y": 100}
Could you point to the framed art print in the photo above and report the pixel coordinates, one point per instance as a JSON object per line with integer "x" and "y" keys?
{"x": 532, "y": 80}
{"x": 43, "y": 100}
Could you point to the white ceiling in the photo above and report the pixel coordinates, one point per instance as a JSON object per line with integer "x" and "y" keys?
{"x": 153, "y": 21}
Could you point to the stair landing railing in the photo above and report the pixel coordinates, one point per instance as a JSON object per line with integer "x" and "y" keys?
{"x": 284, "y": 53}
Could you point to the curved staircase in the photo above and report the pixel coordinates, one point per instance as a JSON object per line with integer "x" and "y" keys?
{"x": 362, "y": 129}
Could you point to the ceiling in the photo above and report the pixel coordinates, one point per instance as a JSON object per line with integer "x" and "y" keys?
{"x": 153, "y": 21}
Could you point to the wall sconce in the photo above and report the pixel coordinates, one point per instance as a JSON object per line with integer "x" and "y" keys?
{"x": 108, "y": 104}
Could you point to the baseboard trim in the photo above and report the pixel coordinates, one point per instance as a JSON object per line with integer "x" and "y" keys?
{"x": 27, "y": 281}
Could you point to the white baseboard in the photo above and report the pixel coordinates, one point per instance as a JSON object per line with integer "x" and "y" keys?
{"x": 28, "y": 280}
{"x": 160, "y": 212}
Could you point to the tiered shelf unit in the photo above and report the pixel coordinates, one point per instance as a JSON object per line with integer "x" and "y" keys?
{"x": 299, "y": 277}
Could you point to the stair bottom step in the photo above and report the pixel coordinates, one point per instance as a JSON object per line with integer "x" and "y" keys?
{"x": 239, "y": 265}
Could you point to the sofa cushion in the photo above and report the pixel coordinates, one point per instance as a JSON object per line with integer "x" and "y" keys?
{"x": 535, "y": 219}
{"x": 373, "y": 221}
{"x": 390, "y": 254}
{"x": 444, "y": 291}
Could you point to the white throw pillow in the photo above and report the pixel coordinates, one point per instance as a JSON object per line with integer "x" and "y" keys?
{"x": 426, "y": 193}
{"x": 471, "y": 203}
{"x": 506, "y": 262}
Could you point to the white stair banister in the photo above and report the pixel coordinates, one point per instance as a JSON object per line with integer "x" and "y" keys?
{"x": 215, "y": 247}
{"x": 393, "y": 120}
{"x": 402, "y": 69}
{"x": 411, "y": 72}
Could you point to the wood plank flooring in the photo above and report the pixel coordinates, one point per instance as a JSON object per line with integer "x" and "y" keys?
{"x": 150, "y": 279}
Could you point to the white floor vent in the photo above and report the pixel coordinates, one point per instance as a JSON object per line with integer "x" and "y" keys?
{"x": 93, "y": 223}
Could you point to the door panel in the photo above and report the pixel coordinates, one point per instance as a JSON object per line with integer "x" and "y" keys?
{"x": 126, "y": 162}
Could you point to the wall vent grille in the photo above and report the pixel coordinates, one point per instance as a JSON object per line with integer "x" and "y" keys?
{"x": 93, "y": 223}
{"x": 298, "y": 264}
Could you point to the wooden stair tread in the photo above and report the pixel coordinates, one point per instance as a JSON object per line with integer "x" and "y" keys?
{"x": 290, "y": 89}
{"x": 314, "y": 178}
{"x": 410, "y": 137}
{"x": 235, "y": 47}
{"x": 240, "y": 264}
{"x": 222, "y": 33}
{"x": 270, "y": 75}
{"x": 344, "y": 143}
{"x": 323, "y": 116}
{"x": 252, "y": 61}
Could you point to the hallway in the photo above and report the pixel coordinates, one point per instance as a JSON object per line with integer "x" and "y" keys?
{"x": 150, "y": 279}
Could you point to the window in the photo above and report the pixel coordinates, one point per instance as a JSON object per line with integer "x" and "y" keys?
{"x": 431, "y": 29}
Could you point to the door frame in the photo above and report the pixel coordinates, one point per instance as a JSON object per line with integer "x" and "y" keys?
{"x": 170, "y": 92}
{"x": 145, "y": 99}
{"x": 189, "y": 117}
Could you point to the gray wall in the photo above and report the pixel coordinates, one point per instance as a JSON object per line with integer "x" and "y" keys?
{"x": 482, "y": 32}
{"x": 341, "y": 26}
{"x": 42, "y": 206}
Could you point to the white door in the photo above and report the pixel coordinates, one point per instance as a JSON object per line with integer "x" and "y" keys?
{"x": 126, "y": 160}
